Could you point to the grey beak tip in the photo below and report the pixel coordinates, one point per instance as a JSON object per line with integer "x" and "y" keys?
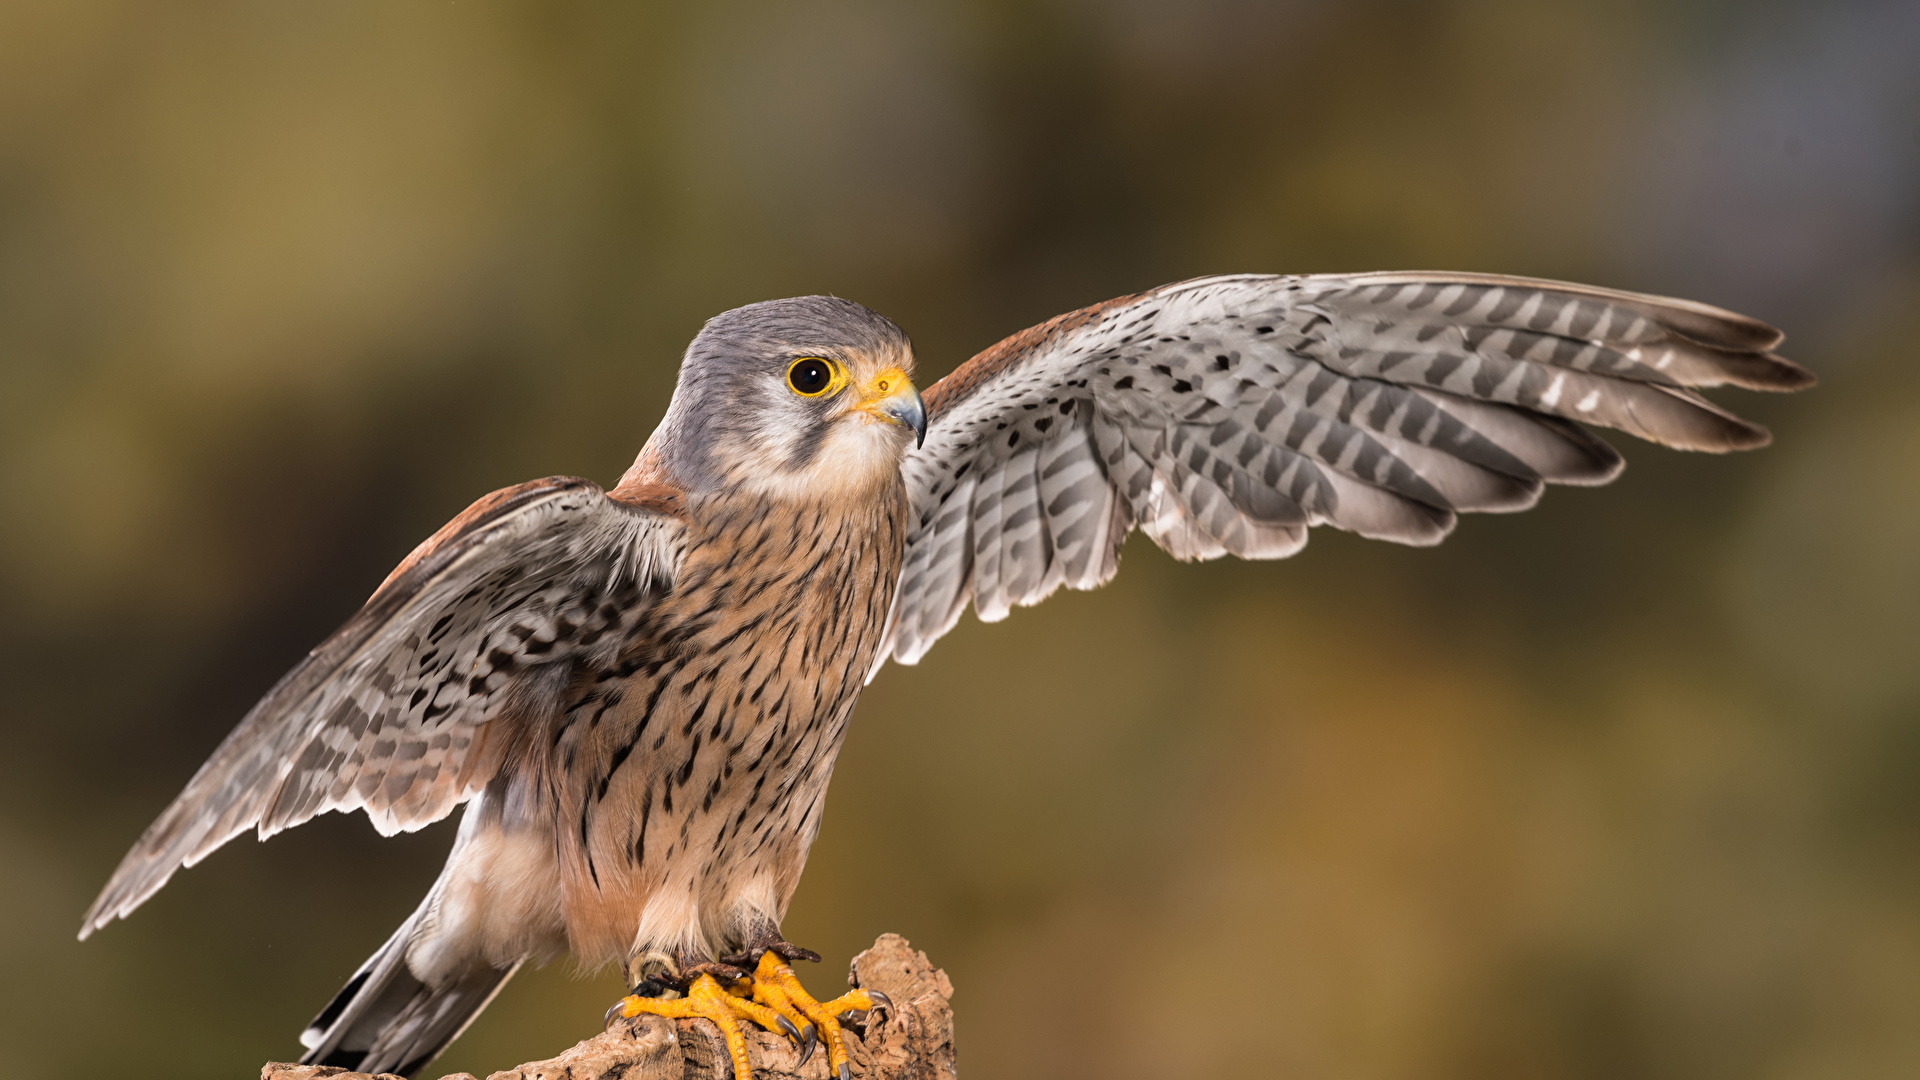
{"x": 911, "y": 413}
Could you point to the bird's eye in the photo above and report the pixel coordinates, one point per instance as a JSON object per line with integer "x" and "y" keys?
{"x": 810, "y": 376}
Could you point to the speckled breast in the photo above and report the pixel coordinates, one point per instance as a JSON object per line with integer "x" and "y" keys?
{"x": 700, "y": 761}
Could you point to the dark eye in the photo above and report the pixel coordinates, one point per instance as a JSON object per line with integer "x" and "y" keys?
{"x": 810, "y": 376}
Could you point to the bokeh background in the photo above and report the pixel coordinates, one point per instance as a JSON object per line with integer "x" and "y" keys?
{"x": 1624, "y": 787}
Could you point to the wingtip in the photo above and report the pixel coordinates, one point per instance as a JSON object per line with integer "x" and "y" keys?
{"x": 1441, "y": 525}
{"x": 1753, "y": 438}
{"x": 94, "y": 920}
{"x": 1731, "y": 436}
{"x": 1761, "y": 371}
{"x": 1788, "y": 376}
{"x": 1738, "y": 433}
{"x": 1715, "y": 326}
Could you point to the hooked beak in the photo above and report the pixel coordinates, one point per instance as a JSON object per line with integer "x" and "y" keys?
{"x": 890, "y": 396}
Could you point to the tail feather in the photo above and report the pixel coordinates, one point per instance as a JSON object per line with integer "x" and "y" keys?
{"x": 386, "y": 1019}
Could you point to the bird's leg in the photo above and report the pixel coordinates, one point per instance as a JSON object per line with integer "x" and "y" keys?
{"x": 706, "y": 996}
{"x": 774, "y": 986}
{"x": 763, "y": 941}
{"x": 707, "y": 1000}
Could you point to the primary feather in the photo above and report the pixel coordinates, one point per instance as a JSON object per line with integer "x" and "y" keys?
{"x": 1227, "y": 415}
{"x": 390, "y": 714}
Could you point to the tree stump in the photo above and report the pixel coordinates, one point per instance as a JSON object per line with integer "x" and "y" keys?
{"x": 915, "y": 1042}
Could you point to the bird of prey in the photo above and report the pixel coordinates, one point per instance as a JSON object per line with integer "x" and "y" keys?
{"x": 638, "y": 693}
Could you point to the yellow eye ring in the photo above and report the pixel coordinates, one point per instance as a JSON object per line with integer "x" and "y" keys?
{"x": 813, "y": 376}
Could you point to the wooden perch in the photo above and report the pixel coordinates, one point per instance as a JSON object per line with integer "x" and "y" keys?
{"x": 914, "y": 1043}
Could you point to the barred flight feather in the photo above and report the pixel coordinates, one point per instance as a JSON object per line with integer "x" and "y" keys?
{"x": 392, "y": 712}
{"x": 1228, "y": 415}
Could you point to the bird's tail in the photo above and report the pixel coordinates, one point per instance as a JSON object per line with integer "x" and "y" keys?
{"x": 386, "y": 1019}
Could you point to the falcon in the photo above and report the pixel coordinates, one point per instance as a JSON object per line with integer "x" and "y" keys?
{"x": 638, "y": 693}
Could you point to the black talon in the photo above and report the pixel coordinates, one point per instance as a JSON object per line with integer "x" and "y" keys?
{"x": 846, "y": 1071}
{"x": 613, "y": 1012}
{"x": 786, "y": 1025}
{"x": 877, "y": 1013}
{"x": 811, "y": 1040}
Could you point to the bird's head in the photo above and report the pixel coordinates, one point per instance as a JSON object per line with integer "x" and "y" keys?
{"x": 799, "y": 398}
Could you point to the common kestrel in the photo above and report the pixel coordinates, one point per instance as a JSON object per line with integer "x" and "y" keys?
{"x": 639, "y": 693}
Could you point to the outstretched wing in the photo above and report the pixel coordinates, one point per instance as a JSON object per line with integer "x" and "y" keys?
{"x": 1227, "y": 415}
{"x": 394, "y": 713}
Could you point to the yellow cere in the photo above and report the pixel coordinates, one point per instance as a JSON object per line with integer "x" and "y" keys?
{"x": 886, "y": 382}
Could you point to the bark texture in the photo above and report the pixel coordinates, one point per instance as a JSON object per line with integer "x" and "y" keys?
{"x": 914, "y": 1043}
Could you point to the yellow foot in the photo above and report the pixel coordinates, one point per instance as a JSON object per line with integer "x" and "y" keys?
{"x": 774, "y": 986}
{"x": 707, "y": 999}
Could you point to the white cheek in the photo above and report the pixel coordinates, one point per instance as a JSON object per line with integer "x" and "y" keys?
{"x": 858, "y": 454}
{"x": 858, "y": 451}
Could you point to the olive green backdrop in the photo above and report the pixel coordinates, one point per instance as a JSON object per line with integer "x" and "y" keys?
{"x": 1624, "y": 787}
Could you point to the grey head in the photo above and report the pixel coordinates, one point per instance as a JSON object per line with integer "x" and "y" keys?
{"x": 805, "y": 397}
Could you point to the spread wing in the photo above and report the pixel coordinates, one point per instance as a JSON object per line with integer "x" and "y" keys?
{"x": 1228, "y": 415}
{"x": 393, "y": 714}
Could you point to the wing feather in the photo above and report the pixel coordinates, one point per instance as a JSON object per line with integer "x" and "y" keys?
{"x": 393, "y": 713}
{"x": 1228, "y": 415}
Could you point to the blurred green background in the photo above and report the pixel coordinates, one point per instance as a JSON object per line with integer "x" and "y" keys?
{"x": 1623, "y": 787}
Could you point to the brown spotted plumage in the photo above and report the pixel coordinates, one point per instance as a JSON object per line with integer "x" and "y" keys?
{"x": 639, "y": 693}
